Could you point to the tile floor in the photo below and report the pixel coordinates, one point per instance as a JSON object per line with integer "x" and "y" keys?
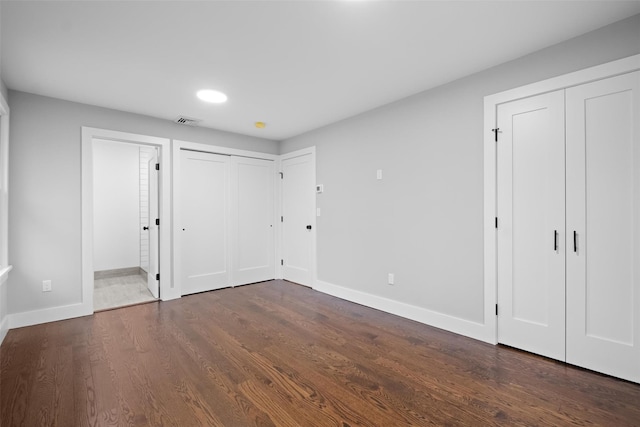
{"x": 119, "y": 291}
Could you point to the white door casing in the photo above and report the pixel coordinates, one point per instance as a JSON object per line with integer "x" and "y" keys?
{"x": 603, "y": 209}
{"x": 252, "y": 220}
{"x": 154, "y": 253}
{"x": 298, "y": 219}
{"x": 204, "y": 212}
{"x": 530, "y": 188}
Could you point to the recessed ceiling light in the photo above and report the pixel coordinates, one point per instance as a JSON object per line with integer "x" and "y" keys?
{"x": 212, "y": 96}
{"x": 260, "y": 125}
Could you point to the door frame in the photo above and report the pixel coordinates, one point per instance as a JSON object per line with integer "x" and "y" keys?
{"x": 491, "y": 102}
{"x": 176, "y": 146}
{"x": 153, "y": 180}
{"x": 314, "y": 230}
{"x": 164, "y": 211}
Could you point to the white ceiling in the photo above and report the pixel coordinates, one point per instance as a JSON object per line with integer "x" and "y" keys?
{"x": 296, "y": 65}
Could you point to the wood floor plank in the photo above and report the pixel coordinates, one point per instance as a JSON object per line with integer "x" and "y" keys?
{"x": 279, "y": 354}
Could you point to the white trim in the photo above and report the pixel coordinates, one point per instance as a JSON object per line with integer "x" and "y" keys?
{"x": 314, "y": 228}
{"x": 176, "y": 146}
{"x": 491, "y": 102}
{"x": 4, "y": 318}
{"x": 88, "y": 135}
{"x": 4, "y": 328}
{"x": 214, "y": 149}
{"x": 408, "y": 311}
{"x": 52, "y": 314}
{"x": 4, "y": 272}
{"x": 5, "y": 268}
{"x": 4, "y": 182}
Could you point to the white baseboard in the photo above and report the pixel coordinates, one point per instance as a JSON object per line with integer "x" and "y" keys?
{"x": 453, "y": 324}
{"x": 36, "y": 317}
{"x": 4, "y": 328}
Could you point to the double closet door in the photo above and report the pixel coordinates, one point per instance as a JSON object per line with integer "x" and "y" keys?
{"x": 225, "y": 224}
{"x": 569, "y": 225}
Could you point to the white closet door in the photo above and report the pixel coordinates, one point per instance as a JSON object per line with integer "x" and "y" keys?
{"x": 298, "y": 207}
{"x": 603, "y": 209}
{"x": 531, "y": 273}
{"x": 252, "y": 220}
{"x": 203, "y": 203}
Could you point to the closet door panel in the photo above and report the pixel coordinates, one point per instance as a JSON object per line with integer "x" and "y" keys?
{"x": 603, "y": 210}
{"x": 252, "y": 220}
{"x": 202, "y": 199}
{"x": 531, "y": 224}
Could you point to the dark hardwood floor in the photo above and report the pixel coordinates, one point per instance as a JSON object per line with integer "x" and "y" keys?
{"x": 278, "y": 354}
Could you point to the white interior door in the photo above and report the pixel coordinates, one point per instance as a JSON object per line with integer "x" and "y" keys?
{"x": 298, "y": 211}
{"x": 203, "y": 201}
{"x": 603, "y": 209}
{"x": 154, "y": 250}
{"x": 531, "y": 223}
{"x": 252, "y": 220}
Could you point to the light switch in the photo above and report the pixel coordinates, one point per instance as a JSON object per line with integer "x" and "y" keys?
{"x": 317, "y": 211}
{"x": 379, "y": 174}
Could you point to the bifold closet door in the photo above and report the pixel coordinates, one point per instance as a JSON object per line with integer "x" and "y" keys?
{"x": 203, "y": 201}
{"x": 531, "y": 215}
{"x": 252, "y": 220}
{"x": 603, "y": 217}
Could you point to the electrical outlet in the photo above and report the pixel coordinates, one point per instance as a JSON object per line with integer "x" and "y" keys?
{"x": 391, "y": 278}
{"x": 46, "y": 286}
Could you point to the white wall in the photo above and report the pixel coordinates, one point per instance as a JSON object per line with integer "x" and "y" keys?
{"x": 116, "y": 205}
{"x": 45, "y": 176}
{"x": 424, "y": 220}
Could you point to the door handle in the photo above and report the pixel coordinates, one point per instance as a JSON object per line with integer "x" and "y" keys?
{"x": 555, "y": 240}
{"x": 575, "y": 241}
{"x": 308, "y": 227}
{"x": 145, "y": 228}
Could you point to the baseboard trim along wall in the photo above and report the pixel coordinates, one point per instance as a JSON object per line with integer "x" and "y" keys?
{"x": 53, "y": 314}
{"x": 456, "y": 325}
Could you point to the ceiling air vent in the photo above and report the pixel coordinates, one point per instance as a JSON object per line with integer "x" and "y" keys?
{"x": 183, "y": 120}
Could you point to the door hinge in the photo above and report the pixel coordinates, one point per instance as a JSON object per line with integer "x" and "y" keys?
{"x": 157, "y": 221}
{"x": 496, "y": 130}
{"x": 158, "y": 276}
{"x": 281, "y": 262}
{"x": 496, "y": 309}
{"x": 281, "y": 219}
{"x": 496, "y": 222}
{"x": 157, "y": 166}
{"x": 281, "y": 175}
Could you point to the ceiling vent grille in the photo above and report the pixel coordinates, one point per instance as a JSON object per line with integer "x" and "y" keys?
{"x": 184, "y": 120}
